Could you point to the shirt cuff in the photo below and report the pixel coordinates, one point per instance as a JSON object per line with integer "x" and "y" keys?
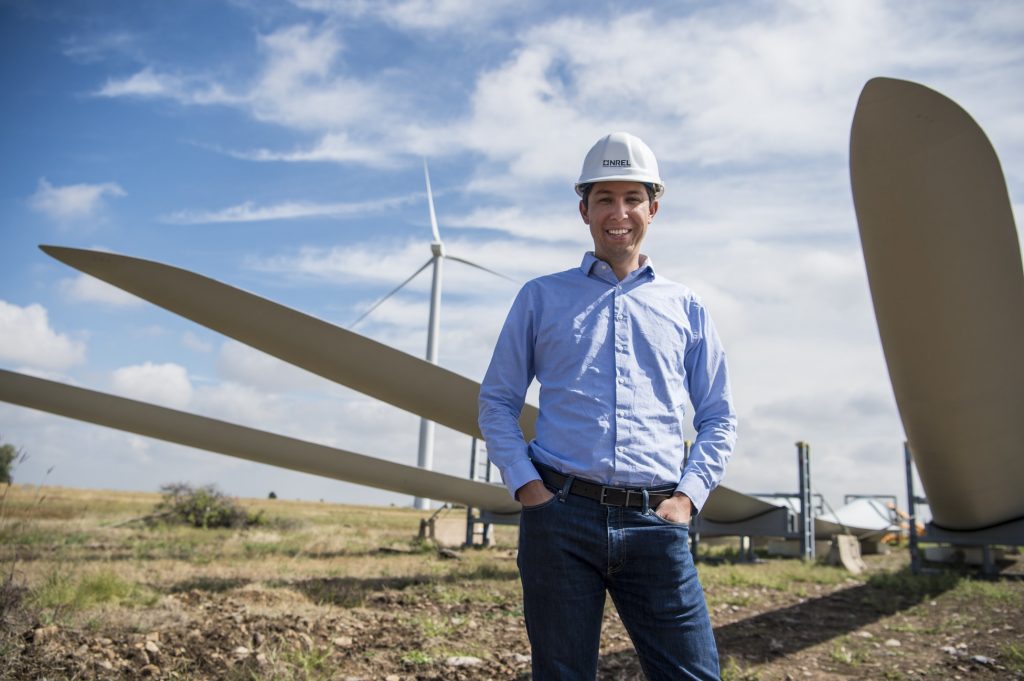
{"x": 518, "y": 474}
{"x": 692, "y": 487}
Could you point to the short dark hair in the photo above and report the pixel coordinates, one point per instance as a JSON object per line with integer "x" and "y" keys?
{"x": 586, "y": 189}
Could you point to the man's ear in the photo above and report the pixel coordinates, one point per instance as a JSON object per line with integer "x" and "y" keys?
{"x": 654, "y": 209}
{"x": 583, "y": 212}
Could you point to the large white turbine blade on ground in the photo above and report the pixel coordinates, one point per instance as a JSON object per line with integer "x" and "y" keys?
{"x": 867, "y": 516}
{"x": 726, "y": 505}
{"x": 222, "y": 437}
{"x": 248, "y": 443}
{"x": 342, "y": 356}
{"x": 339, "y": 355}
{"x": 944, "y": 264}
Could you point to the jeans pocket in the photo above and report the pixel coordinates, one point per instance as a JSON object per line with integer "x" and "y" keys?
{"x": 539, "y": 507}
{"x": 670, "y": 523}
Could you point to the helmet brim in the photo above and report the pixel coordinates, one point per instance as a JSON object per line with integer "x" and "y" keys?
{"x": 659, "y": 188}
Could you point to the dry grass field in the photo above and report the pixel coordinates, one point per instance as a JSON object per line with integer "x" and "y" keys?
{"x": 326, "y": 591}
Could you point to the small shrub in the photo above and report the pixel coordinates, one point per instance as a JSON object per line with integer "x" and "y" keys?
{"x": 8, "y": 455}
{"x": 203, "y": 507}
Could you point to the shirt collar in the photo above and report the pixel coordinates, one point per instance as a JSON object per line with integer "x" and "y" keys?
{"x": 590, "y": 261}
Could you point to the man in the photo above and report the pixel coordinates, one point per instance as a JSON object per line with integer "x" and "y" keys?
{"x": 606, "y": 493}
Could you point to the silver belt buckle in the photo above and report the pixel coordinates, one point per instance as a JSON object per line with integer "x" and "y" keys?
{"x": 604, "y": 494}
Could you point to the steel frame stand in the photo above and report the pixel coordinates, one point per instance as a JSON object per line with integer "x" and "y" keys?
{"x": 912, "y": 500}
{"x": 803, "y": 456}
{"x": 486, "y": 532}
{"x": 1010, "y": 533}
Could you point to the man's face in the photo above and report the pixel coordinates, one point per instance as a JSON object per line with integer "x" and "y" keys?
{"x": 618, "y": 214}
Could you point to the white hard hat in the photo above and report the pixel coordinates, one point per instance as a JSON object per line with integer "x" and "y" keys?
{"x": 620, "y": 156}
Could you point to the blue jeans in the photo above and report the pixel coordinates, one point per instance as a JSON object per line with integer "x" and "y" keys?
{"x": 572, "y": 550}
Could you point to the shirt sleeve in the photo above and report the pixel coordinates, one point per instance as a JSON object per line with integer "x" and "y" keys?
{"x": 503, "y": 393}
{"x": 714, "y": 416}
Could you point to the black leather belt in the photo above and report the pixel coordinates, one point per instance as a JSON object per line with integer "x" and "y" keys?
{"x": 632, "y": 497}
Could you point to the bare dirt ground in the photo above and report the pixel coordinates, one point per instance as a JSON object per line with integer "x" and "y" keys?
{"x": 340, "y": 592}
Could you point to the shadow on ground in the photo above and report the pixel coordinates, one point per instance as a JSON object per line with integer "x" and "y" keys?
{"x": 768, "y": 636}
{"x": 355, "y": 591}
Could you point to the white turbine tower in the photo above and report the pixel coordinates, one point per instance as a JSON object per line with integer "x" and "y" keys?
{"x": 425, "y": 456}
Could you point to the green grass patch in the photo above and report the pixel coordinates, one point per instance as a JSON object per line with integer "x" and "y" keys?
{"x": 416, "y": 657}
{"x": 775, "y": 575}
{"x": 992, "y": 592}
{"x": 29, "y": 534}
{"x": 1013, "y": 657}
{"x": 63, "y": 590}
{"x": 287, "y": 664}
{"x": 913, "y": 588}
{"x": 731, "y": 670}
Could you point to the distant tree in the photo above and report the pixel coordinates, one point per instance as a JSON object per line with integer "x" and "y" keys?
{"x": 8, "y": 454}
{"x": 271, "y": 495}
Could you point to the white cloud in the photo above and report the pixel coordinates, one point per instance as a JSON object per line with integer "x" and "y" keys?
{"x": 297, "y": 86}
{"x": 148, "y": 83}
{"x": 164, "y": 384}
{"x": 193, "y": 342}
{"x": 393, "y": 262}
{"x": 290, "y": 210}
{"x": 87, "y": 289}
{"x": 72, "y": 203}
{"x": 89, "y": 49}
{"x": 431, "y": 15}
{"x": 548, "y": 222}
{"x": 145, "y": 83}
{"x": 337, "y": 147}
{"x": 244, "y": 365}
{"x": 458, "y": 15}
{"x": 26, "y": 338}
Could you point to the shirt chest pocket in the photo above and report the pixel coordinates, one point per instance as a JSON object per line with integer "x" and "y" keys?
{"x": 660, "y": 341}
{"x": 574, "y": 342}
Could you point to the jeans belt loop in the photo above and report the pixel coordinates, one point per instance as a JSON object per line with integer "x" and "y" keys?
{"x": 566, "y": 488}
{"x": 647, "y": 501}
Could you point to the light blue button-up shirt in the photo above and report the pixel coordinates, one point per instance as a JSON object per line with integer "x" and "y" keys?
{"x": 615, "y": 361}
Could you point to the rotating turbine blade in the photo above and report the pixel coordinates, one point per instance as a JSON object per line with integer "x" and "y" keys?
{"x": 480, "y": 267}
{"x": 430, "y": 203}
{"x": 248, "y": 443}
{"x": 944, "y": 265}
{"x": 390, "y": 293}
{"x": 336, "y": 354}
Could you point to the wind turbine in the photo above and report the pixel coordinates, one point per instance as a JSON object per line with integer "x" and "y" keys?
{"x": 425, "y": 455}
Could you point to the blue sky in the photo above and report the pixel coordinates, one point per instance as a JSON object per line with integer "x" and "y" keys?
{"x": 278, "y": 147}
